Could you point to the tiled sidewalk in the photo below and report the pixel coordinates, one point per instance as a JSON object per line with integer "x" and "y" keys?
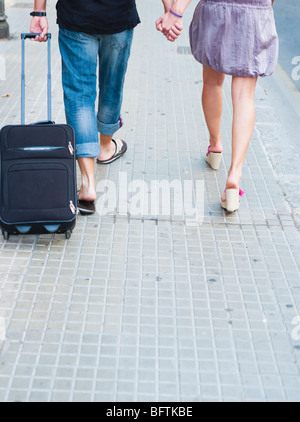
{"x": 150, "y": 307}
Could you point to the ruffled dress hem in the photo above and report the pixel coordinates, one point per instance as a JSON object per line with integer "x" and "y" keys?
{"x": 235, "y": 37}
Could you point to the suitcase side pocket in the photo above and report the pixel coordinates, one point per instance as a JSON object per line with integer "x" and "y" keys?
{"x": 37, "y": 191}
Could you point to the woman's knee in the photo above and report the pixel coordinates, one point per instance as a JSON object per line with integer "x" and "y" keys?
{"x": 243, "y": 88}
{"x": 212, "y": 78}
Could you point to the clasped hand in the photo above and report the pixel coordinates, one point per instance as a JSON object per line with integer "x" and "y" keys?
{"x": 170, "y": 25}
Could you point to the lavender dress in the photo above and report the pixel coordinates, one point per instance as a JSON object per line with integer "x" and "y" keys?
{"x": 236, "y": 37}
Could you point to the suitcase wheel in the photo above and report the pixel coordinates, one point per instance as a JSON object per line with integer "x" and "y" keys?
{"x": 68, "y": 234}
{"x": 5, "y": 235}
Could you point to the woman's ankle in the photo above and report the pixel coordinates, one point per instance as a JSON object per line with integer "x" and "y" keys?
{"x": 233, "y": 179}
{"x": 215, "y": 145}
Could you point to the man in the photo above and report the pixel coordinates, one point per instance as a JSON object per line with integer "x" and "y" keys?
{"x": 92, "y": 32}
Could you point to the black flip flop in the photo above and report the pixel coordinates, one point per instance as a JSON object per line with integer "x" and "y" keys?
{"x": 86, "y": 207}
{"x": 118, "y": 153}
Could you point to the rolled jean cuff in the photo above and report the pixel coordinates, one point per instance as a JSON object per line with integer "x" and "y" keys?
{"x": 88, "y": 149}
{"x": 109, "y": 129}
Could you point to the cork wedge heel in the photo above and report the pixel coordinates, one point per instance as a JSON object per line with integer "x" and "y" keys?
{"x": 232, "y": 199}
{"x": 213, "y": 159}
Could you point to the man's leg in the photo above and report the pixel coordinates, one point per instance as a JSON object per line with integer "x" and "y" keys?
{"x": 108, "y": 148}
{"x": 114, "y": 52}
{"x": 87, "y": 190}
{"x": 79, "y": 76}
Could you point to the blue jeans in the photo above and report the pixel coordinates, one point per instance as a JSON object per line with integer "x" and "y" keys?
{"x": 80, "y": 52}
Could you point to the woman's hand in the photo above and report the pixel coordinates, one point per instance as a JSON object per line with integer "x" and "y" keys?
{"x": 167, "y": 22}
{"x": 170, "y": 25}
{"x": 39, "y": 25}
{"x": 175, "y": 31}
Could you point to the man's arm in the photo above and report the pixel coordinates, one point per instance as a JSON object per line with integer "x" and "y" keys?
{"x": 168, "y": 6}
{"x": 39, "y": 24}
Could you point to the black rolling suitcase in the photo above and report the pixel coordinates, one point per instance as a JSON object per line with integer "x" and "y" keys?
{"x": 38, "y": 172}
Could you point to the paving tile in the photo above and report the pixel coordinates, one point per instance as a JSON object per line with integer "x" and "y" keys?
{"x": 153, "y": 308}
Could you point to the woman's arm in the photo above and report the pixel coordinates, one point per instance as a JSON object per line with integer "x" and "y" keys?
{"x": 171, "y": 23}
{"x": 179, "y": 6}
{"x": 168, "y": 4}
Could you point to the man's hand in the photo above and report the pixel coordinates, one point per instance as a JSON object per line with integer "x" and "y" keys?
{"x": 39, "y": 25}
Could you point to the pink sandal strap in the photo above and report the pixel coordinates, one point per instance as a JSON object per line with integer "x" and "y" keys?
{"x": 209, "y": 151}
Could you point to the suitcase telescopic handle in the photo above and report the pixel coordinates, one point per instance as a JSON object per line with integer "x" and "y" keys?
{"x": 25, "y": 36}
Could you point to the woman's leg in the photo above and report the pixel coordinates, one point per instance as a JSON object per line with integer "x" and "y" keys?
{"x": 243, "y": 90}
{"x": 212, "y": 105}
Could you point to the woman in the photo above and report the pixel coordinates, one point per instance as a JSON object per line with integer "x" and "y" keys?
{"x": 237, "y": 38}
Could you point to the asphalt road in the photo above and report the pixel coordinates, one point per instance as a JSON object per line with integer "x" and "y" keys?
{"x": 287, "y": 14}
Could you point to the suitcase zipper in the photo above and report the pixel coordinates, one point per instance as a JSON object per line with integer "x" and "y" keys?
{"x": 72, "y": 208}
{"x": 71, "y": 149}
{"x": 38, "y": 149}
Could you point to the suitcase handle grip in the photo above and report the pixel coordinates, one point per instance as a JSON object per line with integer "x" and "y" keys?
{"x": 31, "y": 36}
{"x": 25, "y": 36}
